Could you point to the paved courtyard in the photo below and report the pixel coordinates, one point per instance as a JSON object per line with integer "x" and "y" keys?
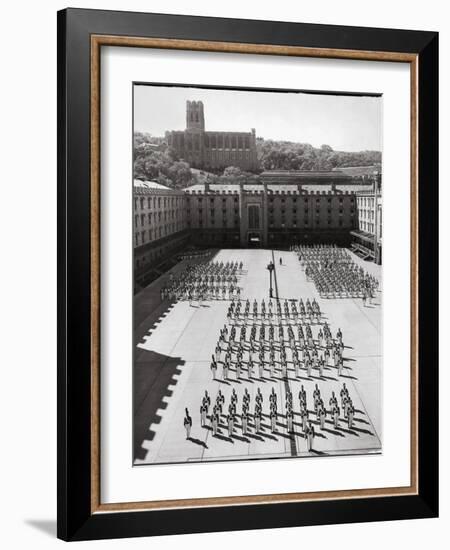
{"x": 173, "y": 347}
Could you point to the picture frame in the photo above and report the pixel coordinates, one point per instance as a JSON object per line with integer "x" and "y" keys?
{"x": 81, "y": 36}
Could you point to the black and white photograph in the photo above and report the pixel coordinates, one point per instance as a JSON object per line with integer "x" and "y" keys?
{"x": 257, "y": 307}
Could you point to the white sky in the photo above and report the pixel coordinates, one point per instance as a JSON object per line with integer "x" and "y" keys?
{"x": 346, "y": 123}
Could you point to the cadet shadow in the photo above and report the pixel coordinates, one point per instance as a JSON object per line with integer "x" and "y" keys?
{"x": 241, "y": 438}
{"x": 198, "y": 442}
{"x": 223, "y": 382}
{"x": 333, "y": 432}
{"x": 270, "y": 436}
{"x": 351, "y": 432}
{"x": 314, "y": 451}
{"x": 223, "y": 438}
{"x": 255, "y": 436}
{"x": 368, "y": 432}
{"x": 348, "y": 376}
{"x": 361, "y": 420}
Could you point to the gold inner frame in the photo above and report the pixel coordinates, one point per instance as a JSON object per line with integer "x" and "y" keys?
{"x": 97, "y": 41}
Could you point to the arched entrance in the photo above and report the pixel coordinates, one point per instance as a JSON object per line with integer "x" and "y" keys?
{"x": 254, "y": 239}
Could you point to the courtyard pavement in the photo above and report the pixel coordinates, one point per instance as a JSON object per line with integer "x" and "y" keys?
{"x": 173, "y": 347}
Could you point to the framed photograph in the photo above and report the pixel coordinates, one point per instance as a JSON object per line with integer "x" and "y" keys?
{"x": 247, "y": 252}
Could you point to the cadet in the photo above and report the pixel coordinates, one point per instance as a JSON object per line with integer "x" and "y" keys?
{"x": 238, "y": 369}
{"x": 322, "y": 415}
{"x": 203, "y": 411}
{"x": 213, "y": 368}
{"x": 335, "y": 414}
{"x": 215, "y": 421}
{"x": 310, "y": 433}
{"x": 230, "y": 421}
{"x": 244, "y": 422}
{"x": 261, "y": 368}
{"x": 273, "y": 420}
{"x": 304, "y": 416}
{"x": 290, "y": 420}
{"x": 343, "y": 393}
{"x": 258, "y": 417}
{"x": 225, "y": 370}
{"x": 350, "y": 415}
{"x": 340, "y": 366}
{"x": 217, "y": 352}
{"x": 333, "y": 400}
{"x": 302, "y": 396}
{"x": 187, "y": 423}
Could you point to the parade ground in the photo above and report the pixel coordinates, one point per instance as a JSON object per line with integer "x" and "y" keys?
{"x": 173, "y": 345}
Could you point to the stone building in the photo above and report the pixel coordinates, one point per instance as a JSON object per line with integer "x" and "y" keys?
{"x": 212, "y": 151}
{"x": 159, "y": 226}
{"x": 369, "y": 231}
{"x": 263, "y": 215}
{"x": 244, "y": 215}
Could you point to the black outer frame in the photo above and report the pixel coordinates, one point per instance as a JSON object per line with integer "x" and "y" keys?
{"x": 75, "y": 521}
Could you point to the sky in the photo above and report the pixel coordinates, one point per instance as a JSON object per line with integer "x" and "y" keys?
{"x": 346, "y": 123}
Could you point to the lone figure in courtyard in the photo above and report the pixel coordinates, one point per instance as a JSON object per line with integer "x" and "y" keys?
{"x": 187, "y": 423}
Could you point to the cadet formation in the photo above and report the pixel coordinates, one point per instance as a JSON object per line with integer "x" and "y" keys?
{"x": 207, "y": 280}
{"x": 335, "y": 274}
{"x": 277, "y": 340}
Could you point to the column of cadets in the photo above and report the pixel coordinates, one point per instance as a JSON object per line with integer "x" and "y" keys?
{"x": 204, "y": 281}
{"x": 334, "y": 273}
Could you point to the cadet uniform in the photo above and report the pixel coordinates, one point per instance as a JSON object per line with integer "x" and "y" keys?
{"x": 187, "y": 424}
{"x": 214, "y": 369}
{"x": 335, "y": 413}
{"x": 310, "y": 433}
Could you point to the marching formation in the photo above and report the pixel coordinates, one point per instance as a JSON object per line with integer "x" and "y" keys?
{"x": 204, "y": 281}
{"x": 281, "y": 365}
{"x": 257, "y": 346}
{"x": 218, "y": 414}
{"x": 334, "y": 273}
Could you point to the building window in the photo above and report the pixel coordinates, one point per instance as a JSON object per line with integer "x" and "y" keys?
{"x": 149, "y": 202}
{"x": 142, "y": 203}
